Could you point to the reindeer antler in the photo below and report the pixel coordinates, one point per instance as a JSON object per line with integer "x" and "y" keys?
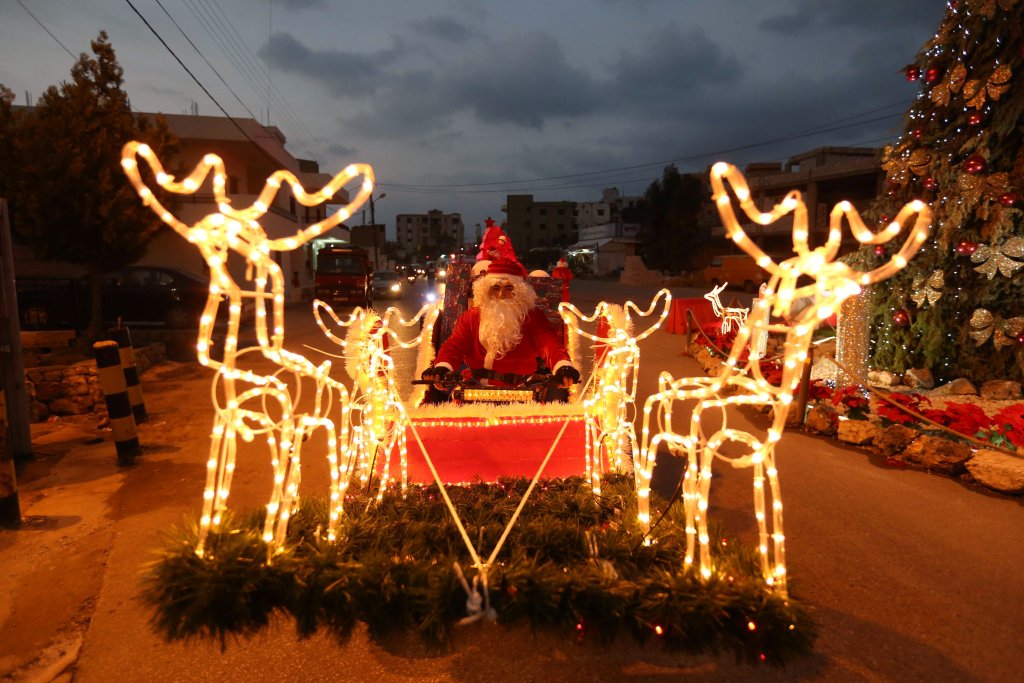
{"x": 250, "y": 214}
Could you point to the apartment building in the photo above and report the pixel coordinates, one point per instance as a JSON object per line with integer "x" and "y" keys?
{"x": 533, "y": 224}
{"x": 824, "y": 176}
{"x": 251, "y": 153}
{"x": 433, "y": 229}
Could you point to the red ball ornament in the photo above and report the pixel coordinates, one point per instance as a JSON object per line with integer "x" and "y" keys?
{"x": 965, "y": 248}
{"x": 929, "y": 183}
{"x": 975, "y": 164}
{"x": 912, "y": 73}
{"x": 900, "y": 318}
{"x": 917, "y": 133}
{"x": 879, "y": 250}
{"x": 1020, "y": 338}
{"x": 932, "y": 75}
{"x": 884, "y": 218}
{"x": 1008, "y": 199}
{"x": 974, "y": 118}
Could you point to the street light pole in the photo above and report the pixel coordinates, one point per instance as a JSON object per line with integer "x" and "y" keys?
{"x": 373, "y": 226}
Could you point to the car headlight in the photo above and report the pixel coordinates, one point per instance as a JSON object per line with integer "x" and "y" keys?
{"x": 396, "y": 287}
{"x": 431, "y": 297}
{"x": 442, "y": 272}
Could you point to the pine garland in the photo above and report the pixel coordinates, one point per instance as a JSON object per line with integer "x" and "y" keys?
{"x": 393, "y": 569}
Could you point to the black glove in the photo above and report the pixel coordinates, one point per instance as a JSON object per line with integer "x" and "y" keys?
{"x": 567, "y": 372}
{"x": 439, "y": 372}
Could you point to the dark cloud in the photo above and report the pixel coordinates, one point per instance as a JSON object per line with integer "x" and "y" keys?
{"x": 412, "y": 104}
{"x": 885, "y": 15}
{"x": 303, "y": 4}
{"x": 445, "y": 28}
{"x": 339, "y": 150}
{"x": 671, "y": 66}
{"x": 343, "y": 73}
{"x": 522, "y": 79}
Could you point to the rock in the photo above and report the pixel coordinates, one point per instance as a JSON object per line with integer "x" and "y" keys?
{"x": 78, "y": 405}
{"x": 857, "y": 432}
{"x": 894, "y": 439}
{"x": 958, "y": 387}
{"x": 1000, "y": 390}
{"x": 935, "y": 453}
{"x": 997, "y": 471}
{"x": 883, "y": 378}
{"x": 822, "y": 419}
{"x": 919, "y": 378}
{"x": 38, "y": 411}
{"x": 47, "y": 391}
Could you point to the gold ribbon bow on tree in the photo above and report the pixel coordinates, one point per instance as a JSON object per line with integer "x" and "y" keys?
{"x": 987, "y": 8}
{"x": 897, "y": 161}
{"x": 1000, "y": 260}
{"x": 1004, "y": 331}
{"x": 975, "y": 90}
{"x": 952, "y": 84}
{"x": 990, "y": 186}
{"x": 929, "y": 290}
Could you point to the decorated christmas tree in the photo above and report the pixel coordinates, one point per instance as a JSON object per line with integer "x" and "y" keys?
{"x": 958, "y": 308}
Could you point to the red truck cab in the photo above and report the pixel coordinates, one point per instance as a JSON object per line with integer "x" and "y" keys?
{"x": 344, "y": 275}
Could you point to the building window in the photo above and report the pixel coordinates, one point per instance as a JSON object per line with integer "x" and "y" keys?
{"x": 561, "y": 226}
{"x": 561, "y": 212}
{"x": 291, "y": 205}
{"x": 542, "y": 211}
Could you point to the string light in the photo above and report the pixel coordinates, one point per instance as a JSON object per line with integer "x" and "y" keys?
{"x": 739, "y": 384}
{"x": 249, "y": 403}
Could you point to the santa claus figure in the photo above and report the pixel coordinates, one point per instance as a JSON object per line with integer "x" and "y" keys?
{"x": 562, "y": 272}
{"x": 500, "y": 339}
{"x": 496, "y": 244}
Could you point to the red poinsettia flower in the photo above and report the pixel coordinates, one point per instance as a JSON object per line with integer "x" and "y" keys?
{"x": 819, "y": 391}
{"x": 1010, "y": 423}
{"x": 964, "y": 418}
{"x": 889, "y": 412}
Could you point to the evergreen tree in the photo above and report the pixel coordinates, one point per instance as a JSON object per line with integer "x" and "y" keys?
{"x": 668, "y": 217}
{"x": 958, "y": 308}
{"x": 72, "y": 200}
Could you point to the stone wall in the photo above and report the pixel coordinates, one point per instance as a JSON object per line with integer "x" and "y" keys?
{"x": 75, "y": 389}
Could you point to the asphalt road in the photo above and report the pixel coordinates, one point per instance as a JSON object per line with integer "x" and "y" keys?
{"x": 910, "y": 576}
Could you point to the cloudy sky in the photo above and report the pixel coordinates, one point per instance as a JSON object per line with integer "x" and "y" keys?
{"x": 457, "y": 103}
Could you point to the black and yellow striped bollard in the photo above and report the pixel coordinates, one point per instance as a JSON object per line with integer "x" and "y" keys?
{"x": 123, "y": 337}
{"x": 119, "y": 407}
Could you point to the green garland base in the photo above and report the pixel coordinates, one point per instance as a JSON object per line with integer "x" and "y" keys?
{"x": 393, "y": 569}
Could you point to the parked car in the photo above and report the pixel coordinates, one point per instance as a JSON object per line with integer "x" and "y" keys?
{"x": 138, "y": 295}
{"x": 387, "y": 284}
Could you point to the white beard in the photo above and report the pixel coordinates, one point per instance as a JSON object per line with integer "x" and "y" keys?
{"x": 501, "y": 323}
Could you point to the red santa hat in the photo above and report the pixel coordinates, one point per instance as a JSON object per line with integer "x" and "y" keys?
{"x": 507, "y": 268}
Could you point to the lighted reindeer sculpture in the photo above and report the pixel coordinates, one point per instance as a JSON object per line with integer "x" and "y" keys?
{"x": 832, "y": 283}
{"x": 256, "y": 402}
{"x": 376, "y": 403}
{"x": 730, "y": 316}
{"x": 608, "y": 407}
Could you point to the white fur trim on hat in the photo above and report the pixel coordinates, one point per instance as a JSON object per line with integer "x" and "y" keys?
{"x": 480, "y": 267}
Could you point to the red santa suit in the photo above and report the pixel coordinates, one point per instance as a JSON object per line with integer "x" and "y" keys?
{"x": 496, "y": 244}
{"x": 563, "y": 273}
{"x": 539, "y": 340}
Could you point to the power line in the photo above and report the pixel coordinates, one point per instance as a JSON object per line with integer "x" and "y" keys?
{"x": 692, "y": 157}
{"x": 200, "y": 84}
{"x": 234, "y": 47}
{"x": 43, "y": 26}
{"x": 200, "y": 53}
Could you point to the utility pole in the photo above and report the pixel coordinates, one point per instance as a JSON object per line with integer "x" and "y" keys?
{"x": 373, "y": 226}
{"x": 18, "y": 437}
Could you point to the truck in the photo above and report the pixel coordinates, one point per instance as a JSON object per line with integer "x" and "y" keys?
{"x": 738, "y": 270}
{"x": 344, "y": 275}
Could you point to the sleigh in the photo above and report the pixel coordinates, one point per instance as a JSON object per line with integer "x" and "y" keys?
{"x": 490, "y": 433}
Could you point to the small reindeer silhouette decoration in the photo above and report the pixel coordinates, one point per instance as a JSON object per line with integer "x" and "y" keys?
{"x": 832, "y": 283}
{"x": 729, "y": 316}
{"x": 251, "y": 403}
{"x": 611, "y": 438}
